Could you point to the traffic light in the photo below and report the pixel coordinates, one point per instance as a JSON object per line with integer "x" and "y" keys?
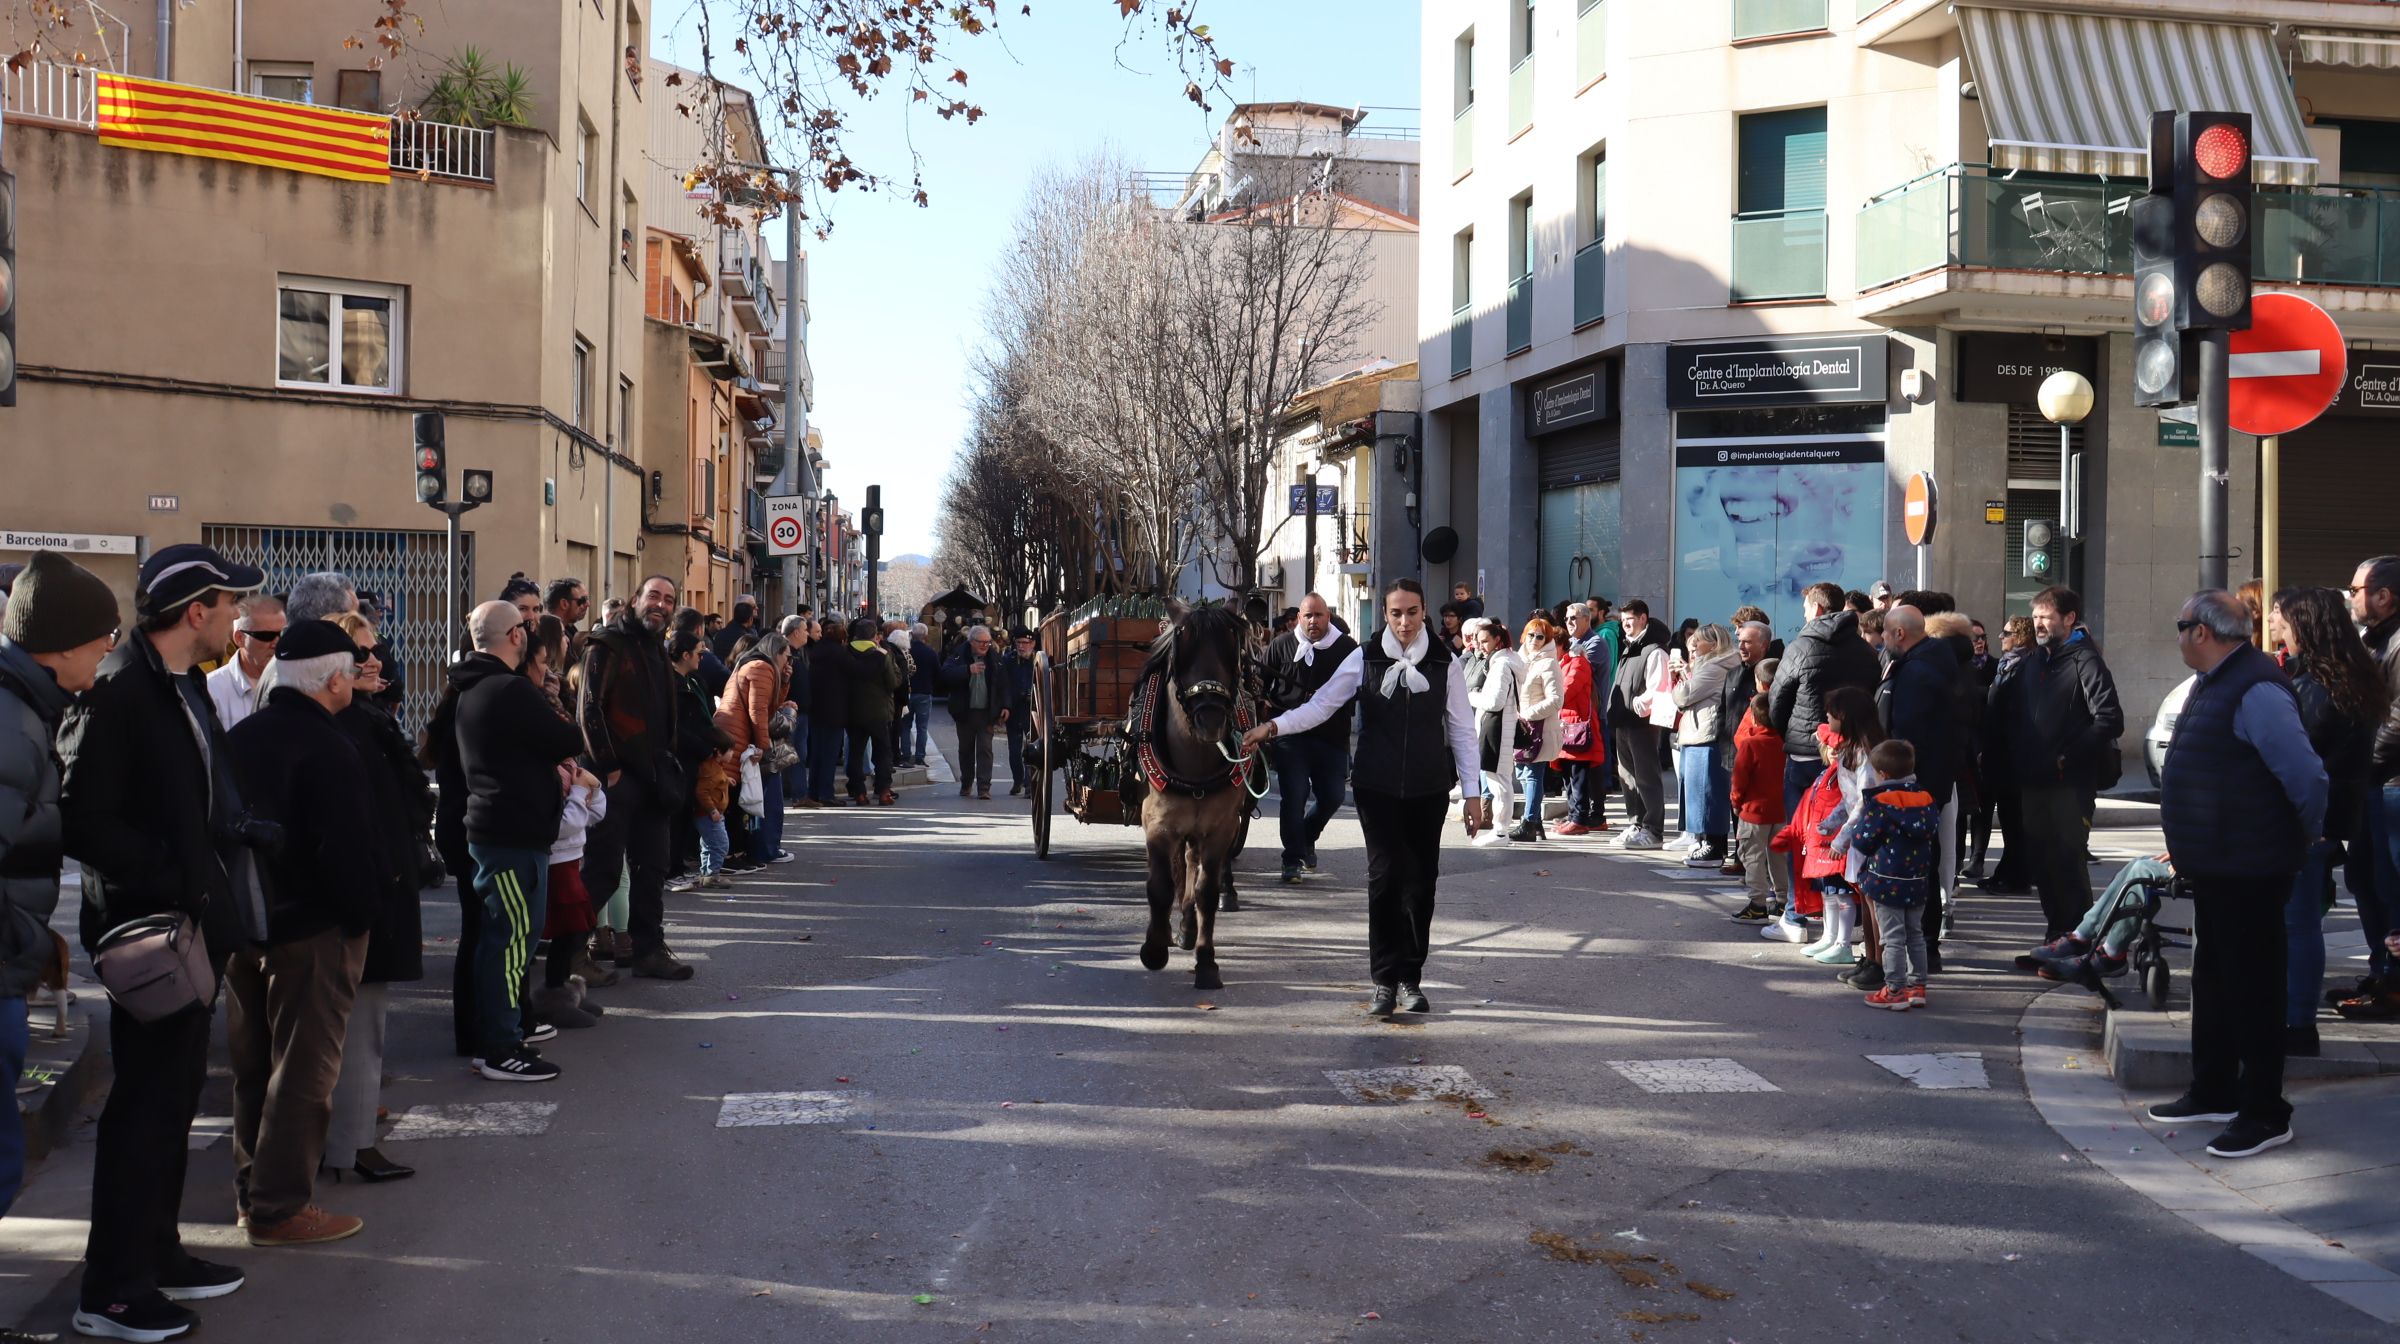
{"x": 8, "y": 288}
{"x": 2191, "y": 248}
{"x": 2040, "y": 534}
{"x": 476, "y": 485}
{"x": 433, "y": 477}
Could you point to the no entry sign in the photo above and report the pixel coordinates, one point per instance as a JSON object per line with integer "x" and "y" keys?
{"x": 1916, "y": 508}
{"x": 2286, "y": 369}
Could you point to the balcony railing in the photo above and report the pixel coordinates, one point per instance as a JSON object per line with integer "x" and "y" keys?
{"x": 767, "y": 462}
{"x": 1462, "y": 340}
{"x": 1778, "y": 254}
{"x": 1964, "y": 215}
{"x": 1591, "y": 41}
{"x": 1591, "y": 282}
{"x": 1520, "y": 97}
{"x": 65, "y": 94}
{"x": 754, "y": 512}
{"x": 1462, "y": 142}
{"x": 1776, "y": 18}
{"x": 1520, "y": 314}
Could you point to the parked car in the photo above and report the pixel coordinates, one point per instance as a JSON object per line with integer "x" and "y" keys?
{"x": 2162, "y": 729}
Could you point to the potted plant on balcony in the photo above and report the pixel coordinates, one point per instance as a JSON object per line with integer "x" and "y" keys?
{"x": 468, "y": 92}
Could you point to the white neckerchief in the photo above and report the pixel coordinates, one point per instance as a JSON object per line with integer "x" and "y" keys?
{"x": 1404, "y": 663}
{"x": 1308, "y": 651}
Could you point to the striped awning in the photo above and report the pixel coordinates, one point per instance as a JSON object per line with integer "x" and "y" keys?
{"x": 2073, "y": 93}
{"x": 2359, "y": 51}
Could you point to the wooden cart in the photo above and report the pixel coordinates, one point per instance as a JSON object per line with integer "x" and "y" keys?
{"x": 1084, "y": 671}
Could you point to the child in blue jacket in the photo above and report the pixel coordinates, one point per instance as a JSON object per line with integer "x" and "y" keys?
{"x": 1898, "y": 829}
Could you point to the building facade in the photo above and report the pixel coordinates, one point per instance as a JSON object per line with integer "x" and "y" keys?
{"x": 1703, "y": 285}
{"x": 231, "y": 353}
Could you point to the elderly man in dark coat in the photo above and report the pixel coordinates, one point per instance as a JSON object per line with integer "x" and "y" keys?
{"x": 289, "y": 997}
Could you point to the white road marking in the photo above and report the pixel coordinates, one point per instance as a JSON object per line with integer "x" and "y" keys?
{"x": 1691, "y": 1075}
{"x": 1938, "y": 1073}
{"x": 745, "y": 1109}
{"x": 1405, "y": 1082}
{"x": 208, "y": 1129}
{"x": 474, "y": 1120}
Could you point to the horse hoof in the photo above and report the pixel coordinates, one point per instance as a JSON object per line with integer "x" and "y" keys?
{"x": 1228, "y": 903}
{"x": 1207, "y": 978}
{"x": 1154, "y": 956}
{"x": 1190, "y": 938}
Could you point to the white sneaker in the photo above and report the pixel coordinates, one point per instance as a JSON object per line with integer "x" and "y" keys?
{"x": 1685, "y": 842}
{"x": 1485, "y": 839}
{"x": 1641, "y": 839}
{"x": 1784, "y": 931}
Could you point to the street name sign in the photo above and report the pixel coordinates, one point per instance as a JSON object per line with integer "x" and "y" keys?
{"x": 71, "y": 543}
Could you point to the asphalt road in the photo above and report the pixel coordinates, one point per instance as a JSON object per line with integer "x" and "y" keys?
{"x": 1021, "y": 1135}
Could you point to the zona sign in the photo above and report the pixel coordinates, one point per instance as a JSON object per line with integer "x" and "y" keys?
{"x": 2286, "y": 369}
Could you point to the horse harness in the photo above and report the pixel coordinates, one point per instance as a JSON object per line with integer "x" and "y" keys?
{"x": 1145, "y": 727}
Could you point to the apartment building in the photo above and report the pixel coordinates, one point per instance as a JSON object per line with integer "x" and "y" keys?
{"x": 230, "y": 351}
{"x": 1705, "y": 283}
{"x": 715, "y": 319}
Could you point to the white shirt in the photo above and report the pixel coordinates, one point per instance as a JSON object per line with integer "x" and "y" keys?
{"x": 234, "y": 695}
{"x": 1458, "y": 718}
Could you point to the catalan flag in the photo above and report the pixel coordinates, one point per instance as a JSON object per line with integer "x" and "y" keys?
{"x": 183, "y": 119}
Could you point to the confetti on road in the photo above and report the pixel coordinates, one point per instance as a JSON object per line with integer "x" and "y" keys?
{"x": 1940, "y": 1072}
{"x": 474, "y": 1120}
{"x": 1690, "y": 1075}
{"x": 1405, "y": 1082}
{"x": 747, "y": 1109}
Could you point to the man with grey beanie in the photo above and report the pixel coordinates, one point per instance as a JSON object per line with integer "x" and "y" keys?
{"x": 61, "y": 621}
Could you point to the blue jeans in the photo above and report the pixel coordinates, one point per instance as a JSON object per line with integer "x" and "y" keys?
{"x": 825, "y": 747}
{"x": 1530, "y": 779}
{"x": 1695, "y": 772}
{"x": 766, "y": 833}
{"x": 2378, "y": 898}
{"x": 1797, "y": 776}
{"x": 1310, "y": 774}
{"x": 920, "y": 713}
{"x": 1720, "y": 789}
{"x": 713, "y": 843}
{"x": 515, "y": 887}
{"x": 1587, "y": 797}
{"x": 13, "y": 1042}
{"x": 2304, "y": 935}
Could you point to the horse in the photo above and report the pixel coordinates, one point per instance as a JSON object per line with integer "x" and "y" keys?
{"x": 1189, "y": 712}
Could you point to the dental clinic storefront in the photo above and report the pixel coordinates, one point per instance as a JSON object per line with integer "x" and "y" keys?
{"x": 1779, "y": 473}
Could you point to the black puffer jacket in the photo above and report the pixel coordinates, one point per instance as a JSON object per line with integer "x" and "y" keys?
{"x": 136, "y": 799}
{"x": 31, "y": 844}
{"x": 1918, "y": 703}
{"x": 1825, "y": 656}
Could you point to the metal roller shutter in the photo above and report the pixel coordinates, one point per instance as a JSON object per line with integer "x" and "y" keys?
{"x": 1579, "y": 456}
{"x": 2340, "y": 502}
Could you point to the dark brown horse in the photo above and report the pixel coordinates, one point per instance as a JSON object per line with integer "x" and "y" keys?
{"x": 1188, "y": 719}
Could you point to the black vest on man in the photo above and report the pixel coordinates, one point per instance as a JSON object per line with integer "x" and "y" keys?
{"x": 1404, "y": 739}
{"x": 1292, "y": 683}
{"x": 2225, "y": 813}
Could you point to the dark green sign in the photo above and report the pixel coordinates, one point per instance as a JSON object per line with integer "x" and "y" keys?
{"x": 2177, "y": 433}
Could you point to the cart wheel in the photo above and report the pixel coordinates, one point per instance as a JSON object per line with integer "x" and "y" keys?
{"x": 1046, "y": 735}
{"x": 2154, "y": 985}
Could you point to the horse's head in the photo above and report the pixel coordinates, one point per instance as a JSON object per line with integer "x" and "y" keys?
{"x": 1201, "y": 656}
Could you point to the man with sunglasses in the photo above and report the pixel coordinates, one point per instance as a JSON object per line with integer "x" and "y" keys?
{"x": 233, "y": 687}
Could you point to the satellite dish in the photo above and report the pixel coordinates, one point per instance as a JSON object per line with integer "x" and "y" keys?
{"x": 1440, "y": 544}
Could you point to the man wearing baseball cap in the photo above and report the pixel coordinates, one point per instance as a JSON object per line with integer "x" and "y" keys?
{"x": 147, "y": 802}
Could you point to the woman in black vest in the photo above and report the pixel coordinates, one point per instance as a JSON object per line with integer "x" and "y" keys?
{"x": 2341, "y": 701}
{"x": 1416, "y": 737}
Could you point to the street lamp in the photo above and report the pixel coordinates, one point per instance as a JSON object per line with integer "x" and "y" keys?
{"x": 2065, "y": 399}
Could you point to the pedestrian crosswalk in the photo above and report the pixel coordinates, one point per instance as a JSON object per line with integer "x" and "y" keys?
{"x": 1691, "y": 1075}
{"x": 1938, "y": 1072}
{"x": 744, "y": 1110}
{"x": 473, "y": 1119}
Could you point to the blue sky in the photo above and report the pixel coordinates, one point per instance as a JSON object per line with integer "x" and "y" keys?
{"x": 896, "y": 293}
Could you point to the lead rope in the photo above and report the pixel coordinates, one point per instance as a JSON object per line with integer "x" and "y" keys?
{"x": 1241, "y": 765}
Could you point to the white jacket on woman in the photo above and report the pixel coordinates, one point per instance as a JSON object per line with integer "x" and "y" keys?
{"x": 1701, "y": 697}
{"x": 1539, "y": 694}
{"x": 1504, "y": 674}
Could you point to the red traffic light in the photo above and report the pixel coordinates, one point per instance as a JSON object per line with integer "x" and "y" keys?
{"x": 429, "y": 459}
{"x": 2221, "y": 151}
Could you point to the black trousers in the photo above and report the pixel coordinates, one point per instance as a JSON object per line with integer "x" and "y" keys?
{"x": 466, "y": 1029}
{"x": 1404, "y": 860}
{"x": 142, "y": 1145}
{"x": 2238, "y": 965}
{"x": 633, "y": 835}
{"x": 878, "y": 738}
{"x": 2056, "y": 833}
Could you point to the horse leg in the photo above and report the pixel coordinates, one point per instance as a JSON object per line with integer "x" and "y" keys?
{"x": 1231, "y": 900}
{"x": 1162, "y": 895}
{"x": 1187, "y": 862}
{"x": 1209, "y": 874}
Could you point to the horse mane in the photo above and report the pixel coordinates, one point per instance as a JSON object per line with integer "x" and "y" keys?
{"x": 1205, "y": 621}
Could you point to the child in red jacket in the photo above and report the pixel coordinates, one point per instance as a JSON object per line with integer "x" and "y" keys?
{"x": 1758, "y": 806}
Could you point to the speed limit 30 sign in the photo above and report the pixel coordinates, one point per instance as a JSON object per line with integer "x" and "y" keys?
{"x": 784, "y": 531}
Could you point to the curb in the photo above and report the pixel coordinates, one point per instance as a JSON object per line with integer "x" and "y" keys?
{"x": 2061, "y": 1059}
